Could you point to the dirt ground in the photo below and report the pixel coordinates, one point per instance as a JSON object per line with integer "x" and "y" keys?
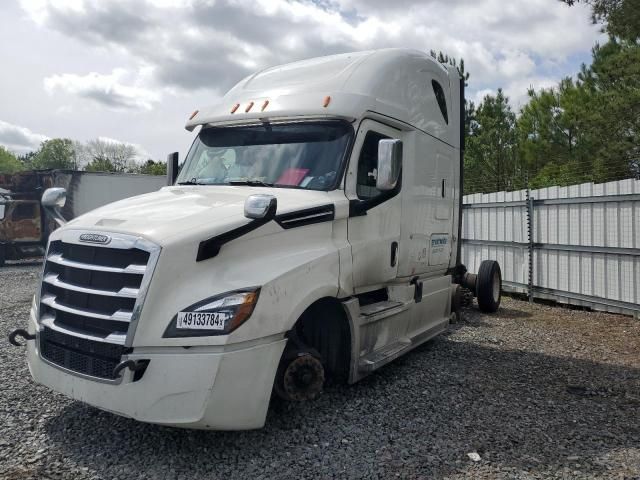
{"x": 533, "y": 391}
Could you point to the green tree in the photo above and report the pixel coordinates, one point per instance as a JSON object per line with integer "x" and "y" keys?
{"x": 491, "y": 162}
{"x": 588, "y": 129}
{"x": 613, "y": 84}
{"x": 151, "y": 167}
{"x": 8, "y": 162}
{"x": 27, "y": 159}
{"x": 100, "y": 164}
{"x": 553, "y": 135}
{"x": 55, "y": 153}
{"x": 620, "y": 18}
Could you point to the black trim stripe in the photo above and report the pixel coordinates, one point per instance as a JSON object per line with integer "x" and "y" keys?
{"x": 461, "y": 186}
{"x": 211, "y": 247}
{"x": 308, "y": 216}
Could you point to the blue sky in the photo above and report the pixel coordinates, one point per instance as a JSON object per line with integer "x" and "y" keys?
{"x": 133, "y": 70}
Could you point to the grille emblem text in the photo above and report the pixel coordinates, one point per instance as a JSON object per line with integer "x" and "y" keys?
{"x": 94, "y": 238}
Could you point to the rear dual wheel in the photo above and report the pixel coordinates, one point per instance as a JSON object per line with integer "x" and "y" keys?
{"x": 489, "y": 286}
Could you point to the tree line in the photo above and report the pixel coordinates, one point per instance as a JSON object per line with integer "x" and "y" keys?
{"x": 584, "y": 129}
{"x": 93, "y": 156}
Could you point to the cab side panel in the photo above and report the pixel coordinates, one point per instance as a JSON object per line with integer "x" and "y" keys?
{"x": 428, "y": 199}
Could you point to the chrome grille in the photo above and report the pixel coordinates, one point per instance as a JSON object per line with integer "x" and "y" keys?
{"x": 90, "y": 299}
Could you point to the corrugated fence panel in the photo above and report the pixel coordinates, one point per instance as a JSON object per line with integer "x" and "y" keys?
{"x": 586, "y": 250}
{"x": 497, "y": 225}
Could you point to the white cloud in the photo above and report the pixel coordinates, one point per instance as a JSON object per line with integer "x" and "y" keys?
{"x": 517, "y": 89}
{"x": 187, "y": 52}
{"x": 19, "y": 139}
{"x": 220, "y": 42}
{"x": 478, "y": 96}
{"x": 106, "y": 90}
{"x": 38, "y": 9}
{"x": 515, "y": 64}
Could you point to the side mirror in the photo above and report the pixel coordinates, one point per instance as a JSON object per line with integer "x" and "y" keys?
{"x": 389, "y": 163}
{"x": 53, "y": 199}
{"x": 172, "y": 168}
{"x": 260, "y": 206}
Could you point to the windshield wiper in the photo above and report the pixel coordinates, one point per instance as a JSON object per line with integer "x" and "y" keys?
{"x": 250, "y": 182}
{"x": 191, "y": 182}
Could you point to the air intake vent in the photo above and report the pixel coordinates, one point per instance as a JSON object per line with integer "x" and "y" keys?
{"x": 87, "y": 357}
{"x": 308, "y": 216}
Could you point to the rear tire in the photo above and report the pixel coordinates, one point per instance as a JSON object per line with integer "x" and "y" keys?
{"x": 489, "y": 286}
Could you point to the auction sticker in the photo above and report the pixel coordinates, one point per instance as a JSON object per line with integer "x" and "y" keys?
{"x": 202, "y": 320}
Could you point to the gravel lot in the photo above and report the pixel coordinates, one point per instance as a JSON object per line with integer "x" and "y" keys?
{"x": 534, "y": 391}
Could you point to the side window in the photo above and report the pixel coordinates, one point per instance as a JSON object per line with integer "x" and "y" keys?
{"x": 441, "y": 98}
{"x": 23, "y": 211}
{"x": 368, "y": 165}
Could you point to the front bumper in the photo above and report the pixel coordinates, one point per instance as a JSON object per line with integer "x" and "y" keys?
{"x": 221, "y": 388}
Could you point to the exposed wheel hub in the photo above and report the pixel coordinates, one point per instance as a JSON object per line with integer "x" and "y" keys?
{"x": 302, "y": 378}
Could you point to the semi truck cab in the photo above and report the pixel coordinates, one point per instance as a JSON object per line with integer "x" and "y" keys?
{"x": 312, "y": 233}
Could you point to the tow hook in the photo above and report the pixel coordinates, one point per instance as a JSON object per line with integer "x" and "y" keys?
{"x": 20, "y": 332}
{"x": 138, "y": 366}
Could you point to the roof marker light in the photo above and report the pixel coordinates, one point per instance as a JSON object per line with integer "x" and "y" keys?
{"x": 195, "y": 112}
{"x": 248, "y": 107}
{"x": 235, "y": 107}
{"x": 264, "y": 105}
{"x": 327, "y": 101}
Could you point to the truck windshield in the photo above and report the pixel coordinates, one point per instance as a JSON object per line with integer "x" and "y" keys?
{"x": 294, "y": 155}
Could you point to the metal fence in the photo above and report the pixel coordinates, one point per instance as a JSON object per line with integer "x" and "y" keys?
{"x": 578, "y": 244}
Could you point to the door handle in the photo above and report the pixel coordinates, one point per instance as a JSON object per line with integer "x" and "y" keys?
{"x": 394, "y": 253}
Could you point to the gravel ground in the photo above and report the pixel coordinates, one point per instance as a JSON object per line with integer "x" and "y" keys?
{"x": 531, "y": 392}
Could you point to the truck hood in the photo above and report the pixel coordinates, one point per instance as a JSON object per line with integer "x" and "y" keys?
{"x": 186, "y": 211}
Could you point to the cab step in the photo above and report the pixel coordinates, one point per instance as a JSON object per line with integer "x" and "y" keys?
{"x": 378, "y": 358}
{"x": 386, "y": 354}
{"x": 373, "y": 308}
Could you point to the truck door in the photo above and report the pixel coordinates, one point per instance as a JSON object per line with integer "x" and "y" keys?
{"x": 375, "y": 216}
{"x": 428, "y": 210}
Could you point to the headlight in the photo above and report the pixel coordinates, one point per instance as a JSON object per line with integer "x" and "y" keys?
{"x": 219, "y": 315}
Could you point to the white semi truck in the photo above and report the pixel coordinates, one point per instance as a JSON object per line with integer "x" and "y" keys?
{"x": 312, "y": 233}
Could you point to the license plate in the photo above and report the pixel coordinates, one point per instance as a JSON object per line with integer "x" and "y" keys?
{"x": 202, "y": 320}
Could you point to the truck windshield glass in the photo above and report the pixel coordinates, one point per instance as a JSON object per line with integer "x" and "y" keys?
{"x": 297, "y": 155}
